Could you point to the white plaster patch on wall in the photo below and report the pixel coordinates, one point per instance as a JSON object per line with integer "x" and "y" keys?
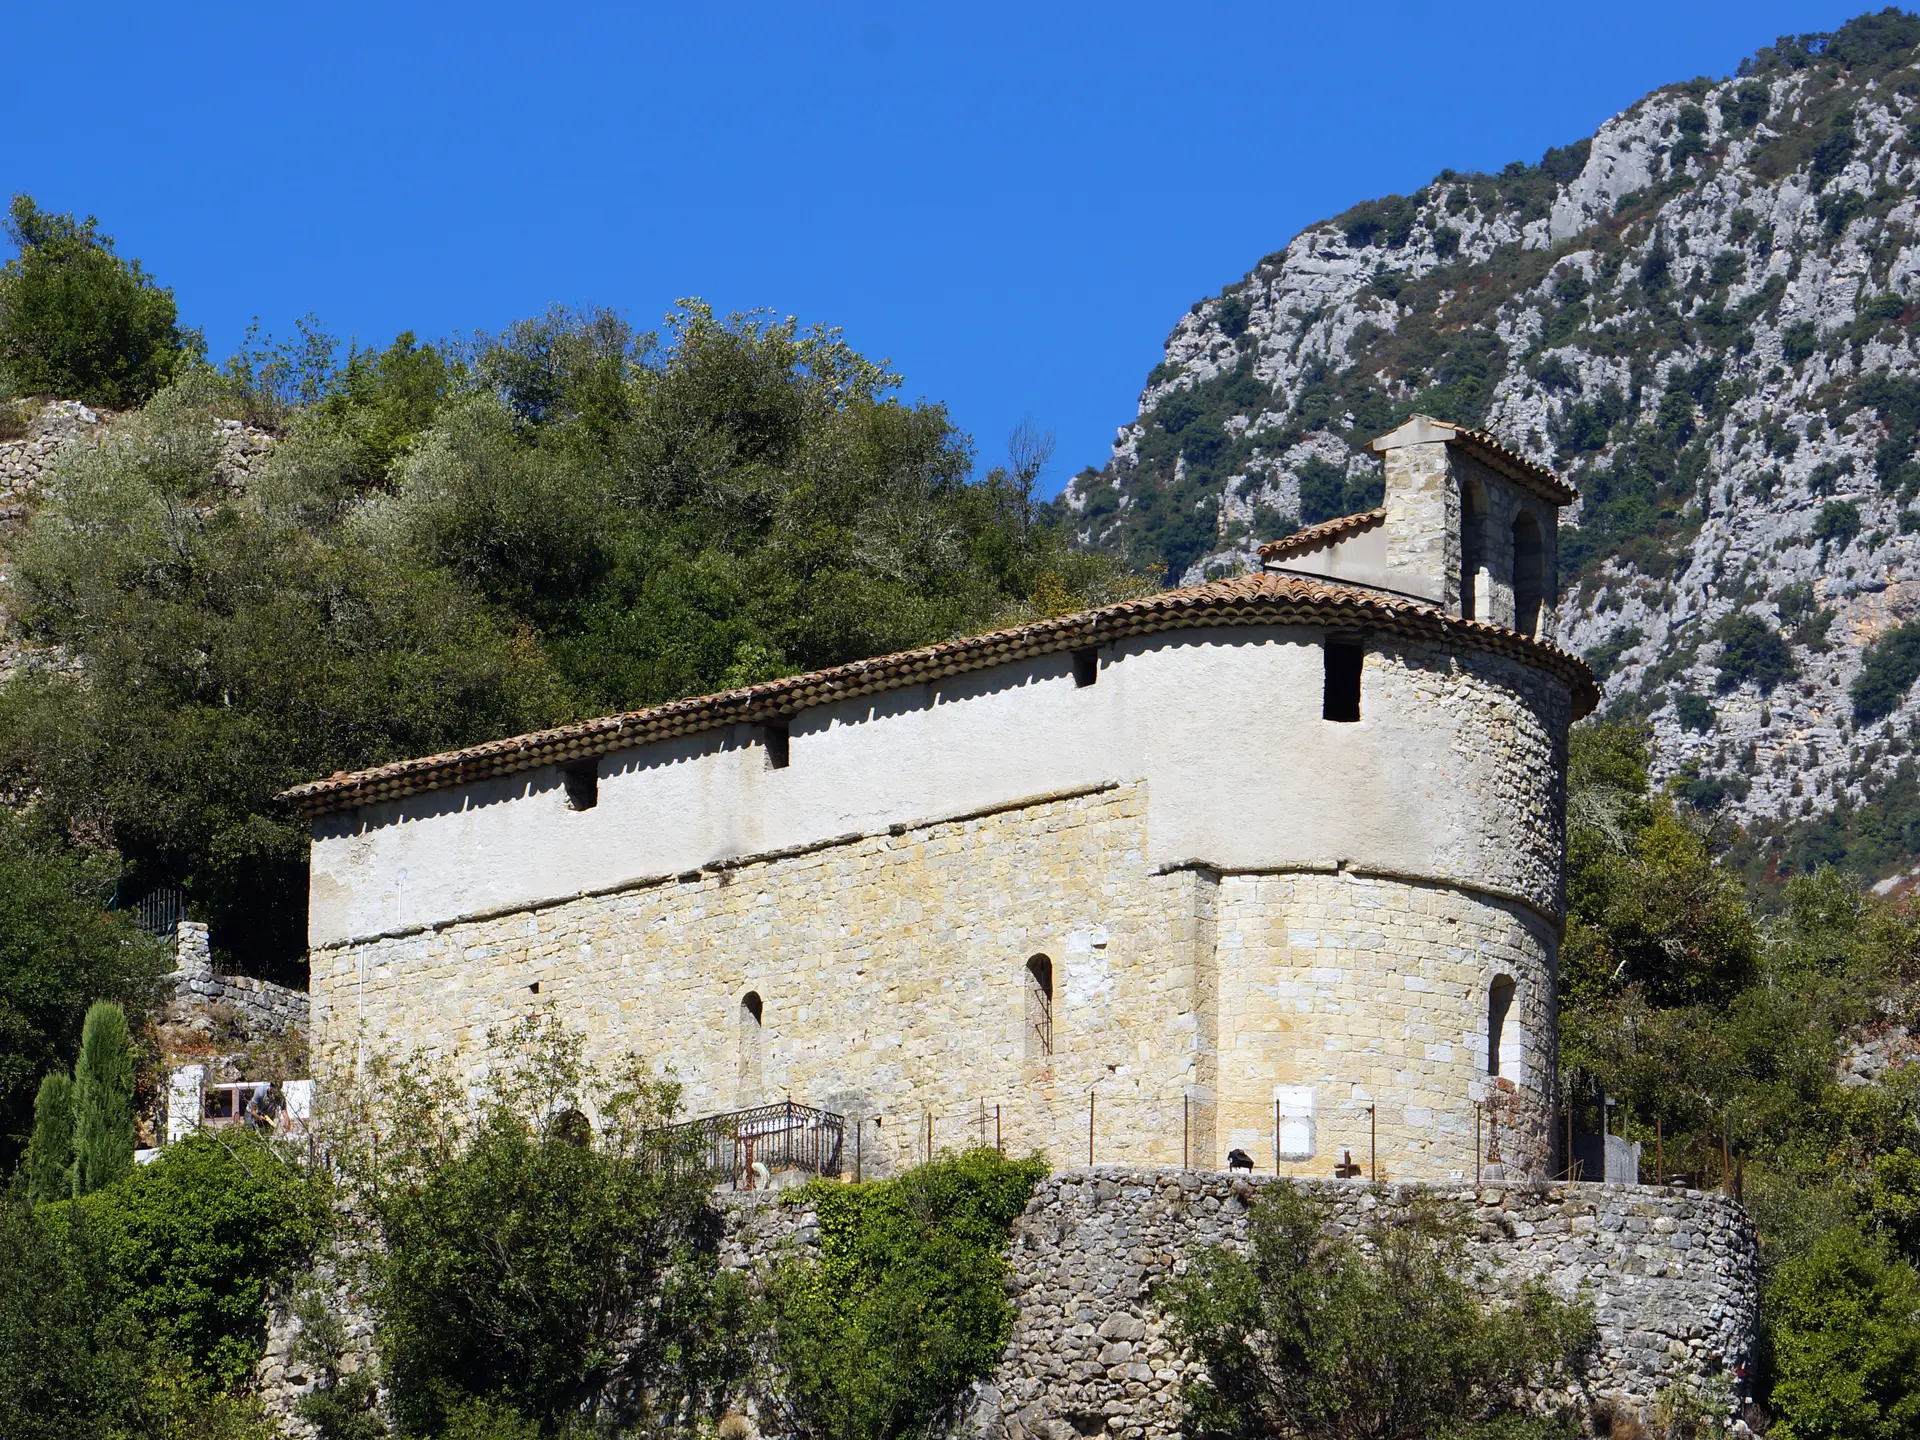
{"x": 1089, "y": 975}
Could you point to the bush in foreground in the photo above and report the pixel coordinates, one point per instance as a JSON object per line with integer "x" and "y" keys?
{"x": 907, "y": 1302}
{"x": 1314, "y": 1337}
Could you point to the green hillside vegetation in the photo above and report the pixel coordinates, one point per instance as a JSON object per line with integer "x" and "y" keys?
{"x": 1433, "y": 344}
{"x": 454, "y": 543}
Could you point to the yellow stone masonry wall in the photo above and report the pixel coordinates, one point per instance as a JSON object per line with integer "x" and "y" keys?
{"x": 892, "y": 972}
{"x": 1367, "y": 991}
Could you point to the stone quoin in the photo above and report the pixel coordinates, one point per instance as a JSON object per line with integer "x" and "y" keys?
{"x": 1272, "y": 863}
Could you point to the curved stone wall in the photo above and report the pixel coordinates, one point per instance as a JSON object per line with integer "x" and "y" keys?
{"x": 1361, "y": 1008}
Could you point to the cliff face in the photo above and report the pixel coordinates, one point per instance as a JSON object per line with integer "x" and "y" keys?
{"x": 1704, "y": 317}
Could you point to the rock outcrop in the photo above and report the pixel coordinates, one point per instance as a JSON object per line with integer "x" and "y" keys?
{"x": 1703, "y": 316}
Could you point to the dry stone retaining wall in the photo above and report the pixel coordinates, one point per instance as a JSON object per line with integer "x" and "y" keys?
{"x": 1671, "y": 1275}
{"x": 256, "y": 1009}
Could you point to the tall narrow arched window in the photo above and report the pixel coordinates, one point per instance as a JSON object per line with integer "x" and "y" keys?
{"x": 1039, "y": 1007}
{"x": 1473, "y": 552}
{"x": 1529, "y": 574}
{"x": 1499, "y": 1006}
{"x": 752, "y": 1013}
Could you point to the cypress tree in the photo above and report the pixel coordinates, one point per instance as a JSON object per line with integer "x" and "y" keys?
{"x": 49, "y": 1164}
{"x": 102, "y": 1099}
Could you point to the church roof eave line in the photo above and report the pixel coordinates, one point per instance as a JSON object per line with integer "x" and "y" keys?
{"x": 1263, "y": 598}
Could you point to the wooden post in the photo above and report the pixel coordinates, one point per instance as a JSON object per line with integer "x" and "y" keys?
{"x": 859, "y": 1128}
{"x": 1276, "y": 1136}
{"x": 1186, "y": 1128}
{"x": 1478, "y": 1109}
{"x": 1659, "y": 1154}
{"x": 1373, "y": 1144}
{"x": 1089, "y": 1127}
{"x": 1569, "y": 1155}
{"x": 929, "y": 1150}
{"x": 996, "y": 1128}
{"x": 983, "y": 1122}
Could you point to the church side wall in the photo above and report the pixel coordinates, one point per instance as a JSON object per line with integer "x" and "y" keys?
{"x": 1191, "y": 1007}
{"x": 892, "y": 973}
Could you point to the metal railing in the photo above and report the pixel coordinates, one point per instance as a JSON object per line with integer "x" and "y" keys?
{"x": 748, "y": 1147}
{"x": 158, "y": 912}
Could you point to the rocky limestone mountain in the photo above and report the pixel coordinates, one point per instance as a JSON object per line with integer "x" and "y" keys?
{"x": 1704, "y": 316}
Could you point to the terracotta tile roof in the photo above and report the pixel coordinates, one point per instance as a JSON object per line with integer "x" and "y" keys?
{"x": 1318, "y": 537}
{"x": 1482, "y": 445}
{"x": 1516, "y": 466}
{"x": 1261, "y": 599}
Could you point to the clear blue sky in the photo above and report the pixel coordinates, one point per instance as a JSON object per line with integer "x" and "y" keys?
{"x": 1013, "y": 202}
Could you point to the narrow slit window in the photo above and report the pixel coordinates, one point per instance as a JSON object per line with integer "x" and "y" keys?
{"x": 583, "y": 784}
{"x": 777, "y": 751}
{"x": 1086, "y": 667}
{"x": 1039, "y": 1007}
{"x": 1340, "y": 700}
{"x": 1499, "y": 1004}
{"x": 752, "y": 1027}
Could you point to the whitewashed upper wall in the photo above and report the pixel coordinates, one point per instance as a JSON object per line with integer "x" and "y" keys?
{"x": 1453, "y": 773}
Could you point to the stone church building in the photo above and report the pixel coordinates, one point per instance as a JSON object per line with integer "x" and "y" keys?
{"x": 1272, "y": 863}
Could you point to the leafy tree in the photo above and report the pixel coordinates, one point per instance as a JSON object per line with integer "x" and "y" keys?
{"x": 534, "y": 1260}
{"x": 235, "y": 644}
{"x": 102, "y": 1099}
{"x": 77, "y": 320}
{"x": 70, "y": 1353}
{"x": 178, "y": 1403}
{"x": 193, "y": 1240}
{"x": 1312, "y": 1336}
{"x": 907, "y": 1302}
{"x": 59, "y": 951}
{"x": 49, "y": 1163}
{"x": 1845, "y": 1325}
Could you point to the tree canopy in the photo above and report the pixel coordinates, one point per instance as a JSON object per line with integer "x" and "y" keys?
{"x": 77, "y": 320}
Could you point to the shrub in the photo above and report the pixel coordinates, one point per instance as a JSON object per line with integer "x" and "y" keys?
{"x": 1845, "y": 1324}
{"x": 79, "y": 321}
{"x": 1694, "y": 712}
{"x": 1326, "y": 493}
{"x": 59, "y": 950}
{"x": 533, "y": 1261}
{"x": 1311, "y": 1336}
{"x": 1838, "y": 523}
{"x": 907, "y": 1302}
{"x": 1887, "y": 671}
{"x": 194, "y": 1239}
{"x": 102, "y": 1099}
{"x": 1751, "y": 649}
{"x": 70, "y": 1352}
{"x": 1798, "y": 342}
{"x": 49, "y": 1162}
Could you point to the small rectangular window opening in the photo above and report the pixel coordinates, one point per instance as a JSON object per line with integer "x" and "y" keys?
{"x": 777, "y": 753}
{"x": 1086, "y": 667}
{"x": 1341, "y": 698}
{"x": 583, "y": 784}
